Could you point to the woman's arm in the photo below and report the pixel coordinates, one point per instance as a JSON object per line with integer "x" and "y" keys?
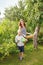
{"x": 28, "y": 33}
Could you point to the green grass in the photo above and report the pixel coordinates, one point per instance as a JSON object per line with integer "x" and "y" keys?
{"x": 31, "y": 57}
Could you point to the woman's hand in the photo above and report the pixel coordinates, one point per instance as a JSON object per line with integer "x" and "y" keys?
{"x": 28, "y": 33}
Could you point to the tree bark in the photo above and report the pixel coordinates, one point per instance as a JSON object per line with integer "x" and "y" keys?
{"x": 35, "y": 37}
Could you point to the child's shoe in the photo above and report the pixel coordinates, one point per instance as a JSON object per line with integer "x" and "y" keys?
{"x": 20, "y": 58}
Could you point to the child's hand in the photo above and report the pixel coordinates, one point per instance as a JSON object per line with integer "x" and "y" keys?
{"x": 18, "y": 39}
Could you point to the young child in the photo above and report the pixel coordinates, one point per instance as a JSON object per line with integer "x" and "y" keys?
{"x": 20, "y": 44}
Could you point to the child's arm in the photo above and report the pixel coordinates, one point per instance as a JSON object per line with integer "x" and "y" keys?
{"x": 16, "y": 40}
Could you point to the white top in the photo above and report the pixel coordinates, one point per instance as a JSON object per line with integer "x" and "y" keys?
{"x": 18, "y": 40}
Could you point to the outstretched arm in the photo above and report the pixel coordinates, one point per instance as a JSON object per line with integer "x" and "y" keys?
{"x": 28, "y": 33}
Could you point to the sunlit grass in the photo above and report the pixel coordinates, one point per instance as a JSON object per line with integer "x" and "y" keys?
{"x": 31, "y": 57}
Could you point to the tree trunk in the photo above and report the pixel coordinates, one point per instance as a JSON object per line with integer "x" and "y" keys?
{"x": 35, "y": 37}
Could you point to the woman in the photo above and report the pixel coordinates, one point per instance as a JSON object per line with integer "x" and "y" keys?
{"x": 22, "y": 27}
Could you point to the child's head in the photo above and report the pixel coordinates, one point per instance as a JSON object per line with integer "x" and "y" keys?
{"x": 19, "y": 32}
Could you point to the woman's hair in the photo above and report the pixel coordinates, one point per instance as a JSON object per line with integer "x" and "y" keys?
{"x": 21, "y": 24}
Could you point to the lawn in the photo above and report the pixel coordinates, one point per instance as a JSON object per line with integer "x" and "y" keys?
{"x": 31, "y": 57}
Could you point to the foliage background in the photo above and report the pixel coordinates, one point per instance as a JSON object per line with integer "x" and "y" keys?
{"x": 32, "y": 13}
